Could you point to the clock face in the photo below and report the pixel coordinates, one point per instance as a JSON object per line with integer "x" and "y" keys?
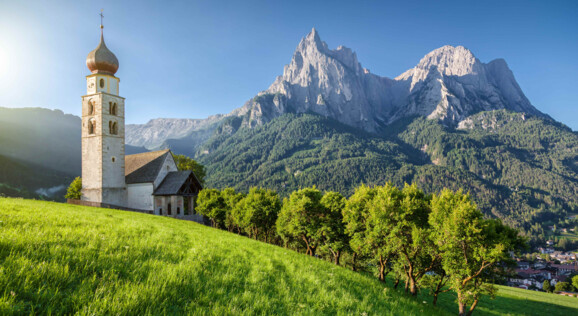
{"x": 90, "y": 85}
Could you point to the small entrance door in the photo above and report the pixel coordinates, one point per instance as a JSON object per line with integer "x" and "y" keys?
{"x": 169, "y": 209}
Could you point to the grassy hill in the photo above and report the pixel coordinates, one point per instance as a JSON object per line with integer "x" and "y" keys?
{"x": 62, "y": 258}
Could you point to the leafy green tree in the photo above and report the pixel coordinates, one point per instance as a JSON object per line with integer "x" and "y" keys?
{"x": 546, "y": 286}
{"x": 410, "y": 235}
{"x": 369, "y": 220}
{"x": 186, "y": 163}
{"x": 232, "y": 199}
{"x": 335, "y": 240}
{"x": 258, "y": 212}
{"x": 300, "y": 216}
{"x": 575, "y": 282}
{"x": 471, "y": 248}
{"x": 74, "y": 191}
{"x": 210, "y": 203}
{"x": 563, "y": 286}
{"x": 354, "y": 217}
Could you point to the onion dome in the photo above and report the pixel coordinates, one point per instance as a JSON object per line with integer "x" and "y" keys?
{"x": 101, "y": 60}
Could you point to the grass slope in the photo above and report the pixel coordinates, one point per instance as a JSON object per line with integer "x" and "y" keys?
{"x": 514, "y": 301}
{"x": 62, "y": 258}
{"x": 68, "y": 259}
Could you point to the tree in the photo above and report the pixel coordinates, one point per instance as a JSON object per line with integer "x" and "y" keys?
{"x": 575, "y": 282}
{"x": 546, "y": 286}
{"x": 258, "y": 212}
{"x": 410, "y": 235}
{"x": 185, "y": 163}
{"x": 211, "y": 204}
{"x": 562, "y": 286}
{"x": 74, "y": 191}
{"x": 232, "y": 200}
{"x": 299, "y": 218}
{"x": 332, "y": 228}
{"x": 354, "y": 217}
{"x": 368, "y": 216}
{"x": 471, "y": 248}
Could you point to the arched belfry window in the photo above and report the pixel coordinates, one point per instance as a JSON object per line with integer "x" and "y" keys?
{"x": 90, "y": 107}
{"x": 91, "y": 127}
{"x": 113, "y": 128}
{"x": 112, "y": 109}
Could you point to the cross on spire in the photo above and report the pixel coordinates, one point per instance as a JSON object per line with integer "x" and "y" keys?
{"x": 101, "y": 17}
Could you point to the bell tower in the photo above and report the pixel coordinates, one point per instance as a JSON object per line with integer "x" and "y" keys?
{"x": 103, "y": 178}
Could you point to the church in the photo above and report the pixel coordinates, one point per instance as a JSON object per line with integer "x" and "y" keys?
{"x": 150, "y": 181}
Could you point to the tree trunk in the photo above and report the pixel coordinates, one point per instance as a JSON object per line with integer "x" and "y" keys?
{"x": 461, "y": 304}
{"x": 396, "y": 283}
{"x": 412, "y": 281}
{"x": 439, "y": 287}
{"x": 309, "y": 250}
{"x": 382, "y": 264}
{"x": 337, "y": 256}
{"x": 354, "y": 261}
{"x": 472, "y": 307}
{"x": 412, "y": 286}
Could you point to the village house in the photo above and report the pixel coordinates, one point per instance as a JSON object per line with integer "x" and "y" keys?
{"x": 523, "y": 265}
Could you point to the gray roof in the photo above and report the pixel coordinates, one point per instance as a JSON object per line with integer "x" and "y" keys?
{"x": 174, "y": 181}
{"x": 145, "y": 167}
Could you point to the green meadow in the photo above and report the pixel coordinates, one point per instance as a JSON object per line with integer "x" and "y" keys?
{"x": 66, "y": 259}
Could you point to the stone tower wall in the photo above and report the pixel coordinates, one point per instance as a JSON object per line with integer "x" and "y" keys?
{"x": 103, "y": 148}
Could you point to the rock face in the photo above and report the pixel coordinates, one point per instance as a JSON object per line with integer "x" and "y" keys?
{"x": 155, "y": 133}
{"x": 448, "y": 84}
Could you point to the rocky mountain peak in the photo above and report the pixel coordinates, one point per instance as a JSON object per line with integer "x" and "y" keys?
{"x": 448, "y": 61}
{"x": 451, "y": 61}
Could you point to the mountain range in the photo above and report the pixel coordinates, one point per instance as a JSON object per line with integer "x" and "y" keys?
{"x": 448, "y": 84}
{"x": 451, "y": 121}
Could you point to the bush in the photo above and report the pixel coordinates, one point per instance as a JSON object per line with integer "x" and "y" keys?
{"x": 562, "y": 286}
{"x": 74, "y": 191}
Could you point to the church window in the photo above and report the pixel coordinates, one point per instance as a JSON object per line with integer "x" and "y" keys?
{"x": 112, "y": 108}
{"x": 102, "y": 83}
{"x": 113, "y": 159}
{"x": 91, "y": 127}
{"x": 113, "y": 128}
{"x": 90, "y": 108}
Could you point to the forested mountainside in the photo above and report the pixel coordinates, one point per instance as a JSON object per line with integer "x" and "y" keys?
{"x": 518, "y": 167}
{"x": 43, "y": 137}
{"x": 30, "y": 180}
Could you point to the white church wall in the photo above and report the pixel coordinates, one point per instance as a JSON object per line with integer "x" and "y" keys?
{"x": 168, "y": 166}
{"x": 140, "y": 196}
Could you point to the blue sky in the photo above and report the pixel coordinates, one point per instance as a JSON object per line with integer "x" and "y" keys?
{"x": 191, "y": 59}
